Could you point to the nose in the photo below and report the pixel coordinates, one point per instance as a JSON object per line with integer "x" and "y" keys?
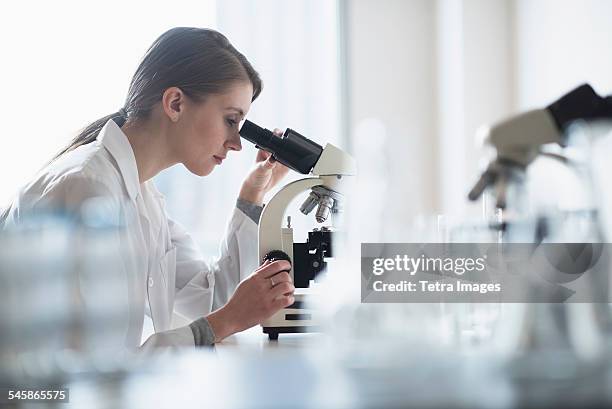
{"x": 233, "y": 143}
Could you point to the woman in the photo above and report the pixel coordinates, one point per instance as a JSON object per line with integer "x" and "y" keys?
{"x": 184, "y": 105}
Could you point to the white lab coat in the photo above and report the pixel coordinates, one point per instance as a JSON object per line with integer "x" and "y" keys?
{"x": 164, "y": 270}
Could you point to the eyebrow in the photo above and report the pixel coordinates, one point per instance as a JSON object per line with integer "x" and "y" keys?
{"x": 240, "y": 111}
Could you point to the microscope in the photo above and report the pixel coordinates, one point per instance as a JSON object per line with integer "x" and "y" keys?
{"x": 329, "y": 170}
{"x": 518, "y": 141}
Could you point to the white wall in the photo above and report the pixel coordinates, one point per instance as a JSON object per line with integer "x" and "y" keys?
{"x": 560, "y": 44}
{"x": 425, "y": 75}
{"x": 392, "y": 111}
{"x": 475, "y": 86}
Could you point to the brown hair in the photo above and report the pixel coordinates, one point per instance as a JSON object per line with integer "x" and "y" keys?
{"x": 199, "y": 61}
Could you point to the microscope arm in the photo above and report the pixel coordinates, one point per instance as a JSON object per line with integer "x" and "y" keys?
{"x": 518, "y": 140}
{"x": 271, "y": 220}
{"x": 334, "y": 161}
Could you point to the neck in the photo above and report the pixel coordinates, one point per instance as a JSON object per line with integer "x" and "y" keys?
{"x": 149, "y": 143}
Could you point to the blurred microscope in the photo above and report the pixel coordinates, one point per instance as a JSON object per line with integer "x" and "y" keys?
{"x": 552, "y": 334}
{"x": 518, "y": 141}
{"x": 330, "y": 170}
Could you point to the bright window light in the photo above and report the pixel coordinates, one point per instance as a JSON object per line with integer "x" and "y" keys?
{"x": 68, "y": 63}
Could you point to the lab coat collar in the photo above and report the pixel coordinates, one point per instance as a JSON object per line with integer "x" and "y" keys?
{"x": 116, "y": 142}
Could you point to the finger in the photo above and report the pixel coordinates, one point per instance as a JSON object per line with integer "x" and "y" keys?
{"x": 265, "y": 263}
{"x": 281, "y": 171}
{"x": 273, "y": 268}
{"x": 282, "y": 277}
{"x": 283, "y": 302}
{"x": 262, "y": 155}
{"x": 282, "y": 289}
{"x": 270, "y": 163}
{"x": 257, "y": 271}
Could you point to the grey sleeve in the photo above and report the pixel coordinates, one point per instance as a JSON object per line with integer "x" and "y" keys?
{"x": 203, "y": 334}
{"x": 252, "y": 210}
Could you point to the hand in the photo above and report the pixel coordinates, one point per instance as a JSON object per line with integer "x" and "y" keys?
{"x": 263, "y": 177}
{"x": 254, "y": 300}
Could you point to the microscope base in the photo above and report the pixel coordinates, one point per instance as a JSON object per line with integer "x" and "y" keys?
{"x": 273, "y": 332}
{"x": 299, "y": 317}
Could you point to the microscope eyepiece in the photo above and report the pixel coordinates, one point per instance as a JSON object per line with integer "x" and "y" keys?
{"x": 580, "y": 103}
{"x": 292, "y": 149}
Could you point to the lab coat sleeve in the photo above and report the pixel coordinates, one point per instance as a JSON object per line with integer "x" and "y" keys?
{"x": 198, "y": 333}
{"x": 169, "y": 340}
{"x": 202, "y": 286}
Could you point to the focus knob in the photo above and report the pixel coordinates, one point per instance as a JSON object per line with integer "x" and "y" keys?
{"x": 276, "y": 255}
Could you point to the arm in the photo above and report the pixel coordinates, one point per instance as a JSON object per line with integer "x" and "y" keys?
{"x": 250, "y": 301}
{"x": 205, "y": 286}
{"x": 237, "y": 258}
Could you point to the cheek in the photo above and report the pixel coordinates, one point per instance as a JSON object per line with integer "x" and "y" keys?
{"x": 211, "y": 133}
{"x": 217, "y": 136}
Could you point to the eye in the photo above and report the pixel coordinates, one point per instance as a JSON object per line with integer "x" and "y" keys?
{"x": 231, "y": 122}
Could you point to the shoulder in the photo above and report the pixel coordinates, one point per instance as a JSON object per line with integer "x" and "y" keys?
{"x": 67, "y": 182}
{"x": 88, "y": 164}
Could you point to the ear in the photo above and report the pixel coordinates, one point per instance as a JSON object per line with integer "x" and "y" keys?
{"x": 173, "y": 103}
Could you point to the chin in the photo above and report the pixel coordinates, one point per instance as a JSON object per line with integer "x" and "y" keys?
{"x": 202, "y": 170}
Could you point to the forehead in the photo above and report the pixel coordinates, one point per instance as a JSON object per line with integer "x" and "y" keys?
{"x": 237, "y": 96}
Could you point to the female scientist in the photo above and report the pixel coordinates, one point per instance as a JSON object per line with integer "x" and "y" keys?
{"x": 184, "y": 105}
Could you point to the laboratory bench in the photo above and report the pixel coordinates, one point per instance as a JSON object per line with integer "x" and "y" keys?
{"x": 308, "y": 371}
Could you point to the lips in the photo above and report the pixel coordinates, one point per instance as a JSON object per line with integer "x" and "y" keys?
{"x": 218, "y": 159}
